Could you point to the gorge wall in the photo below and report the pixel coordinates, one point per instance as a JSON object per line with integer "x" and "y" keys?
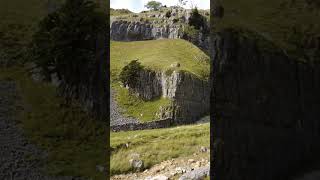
{"x": 189, "y": 94}
{"x": 266, "y": 110}
{"x": 138, "y": 31}
{"x": 161, "y": 27}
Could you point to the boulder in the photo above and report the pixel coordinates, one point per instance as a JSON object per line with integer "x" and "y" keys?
{"x": 197, "y": 174}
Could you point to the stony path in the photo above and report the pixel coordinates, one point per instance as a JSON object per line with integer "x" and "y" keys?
{"x": 174, "y": 169}
{"x": 116, "y": 118}
{"x": 19, "y": 160}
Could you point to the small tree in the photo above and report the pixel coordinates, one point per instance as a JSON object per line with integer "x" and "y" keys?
{"x": 65, "y": 42}
{"x": 153, "y": 5}
{"x": 130, "y": 73}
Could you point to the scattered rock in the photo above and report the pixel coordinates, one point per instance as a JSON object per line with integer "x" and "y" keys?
{"x": 203, "y": 149}
{"x": 176, "y": 64}
{"x": 136, "y": 164}
{"x": 180, "y": 170}
{"x": 159, "y": 177}
{"x": 197, "y": 174}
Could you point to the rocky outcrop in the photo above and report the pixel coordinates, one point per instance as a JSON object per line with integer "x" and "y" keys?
{"x": 134, "y": 31}
{"x": 188, "y": 93}
{"x": 162, "y": 27}
{"x": 138, "y": 31}
{"x": 265, "y": 109}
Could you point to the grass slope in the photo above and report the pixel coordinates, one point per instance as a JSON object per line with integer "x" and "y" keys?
{"x": 273, "y": 19}
{"x": 135, "y": 107}
{"x": 157, "y": 55}
{"x": 118, "y": 12}
{"x": 74, "y": 142}
{"x": 155, "y": 146}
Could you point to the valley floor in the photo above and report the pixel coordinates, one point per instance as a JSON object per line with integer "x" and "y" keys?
{"x": 171, "y": 152}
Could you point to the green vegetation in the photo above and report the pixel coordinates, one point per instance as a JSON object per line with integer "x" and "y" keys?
{"x": 155, "y": 146}
{"x": 136, "y": 107}
{"x": 153, "y": 5}
{"x": 117, "y": 12}
{"x": 276, "y": 21}
{"x": 156, "y": 55}
{"x": 159, "y": 55}
{"x": 18, "y": 21}
{"x": 151, "y": 16}
{"x": 197, "y": 20}
{"x": 58, "y": 48}
{"x": 74, "y": 142}
{"x": 130, "y": 73}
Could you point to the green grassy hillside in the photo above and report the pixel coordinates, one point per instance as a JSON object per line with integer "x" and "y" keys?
{"x": 275, "y": 20}
{"x": 157, "y": 55}
{"x": 75, "y": 143}
{"x": 155, "y": 146}
{"x": 117, "y": 12}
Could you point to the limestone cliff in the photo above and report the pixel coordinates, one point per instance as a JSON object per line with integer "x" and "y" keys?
{"x": 188, "y": 93}
{"x": 266, "y": 109}
{"x": 156, "y": 26}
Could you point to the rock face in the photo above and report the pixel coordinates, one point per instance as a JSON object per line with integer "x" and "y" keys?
{"x": 134, "y": 31}
{"x": 266, "y": 110}
{"x": 138, "y": 31}
{"x": 188, "y": 93}
{"x": 161, "y": 28}
{"x": 197, "y": 174}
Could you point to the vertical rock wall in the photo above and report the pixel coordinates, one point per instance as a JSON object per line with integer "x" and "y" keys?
{"x": 138, "y": 31}
{"x": 266, "y": 111}
{"x": 190, "y": 95}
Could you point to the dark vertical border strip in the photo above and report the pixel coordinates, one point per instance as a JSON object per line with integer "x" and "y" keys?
{"x": 212, "y": 100}
{"x": 107, "y": 86}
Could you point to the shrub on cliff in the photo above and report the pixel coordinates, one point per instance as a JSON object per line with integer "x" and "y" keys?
{"x": 130, "y": 73}
{"x": 190, "y": 33}
{"x": 65, "y": 42}
{"x": 197, "y": 20}
{"x": 168, "y": 13}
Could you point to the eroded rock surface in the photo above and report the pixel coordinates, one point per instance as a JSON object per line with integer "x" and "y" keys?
{"x": 190, "y": 94}
{"x": 266, "y": 109}
{"x": 160, "y": 27}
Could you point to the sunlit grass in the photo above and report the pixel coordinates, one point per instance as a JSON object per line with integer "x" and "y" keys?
{"x": 155, "y": 146}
